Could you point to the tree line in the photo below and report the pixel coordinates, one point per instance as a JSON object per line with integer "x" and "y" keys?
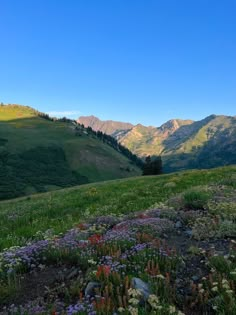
{"x": 116, "y": 145}
{"x": 152, "y": 166}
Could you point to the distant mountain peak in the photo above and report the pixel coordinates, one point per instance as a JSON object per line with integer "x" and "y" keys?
{"x": 107, "y": 126}
{"x": 174, "y": 124}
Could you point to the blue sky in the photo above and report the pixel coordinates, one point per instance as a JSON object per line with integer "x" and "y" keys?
{"x": 140, "y": 61}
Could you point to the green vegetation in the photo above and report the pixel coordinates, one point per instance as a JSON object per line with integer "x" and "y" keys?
{"x": 195, "y": 199}
{"x": 39, "y": 154}
{"x": 22, "y": 218}
{"x": 157, "y": 245}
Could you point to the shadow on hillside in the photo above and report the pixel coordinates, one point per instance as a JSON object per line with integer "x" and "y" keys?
{"x": 218, "y": 150}
{"x": 38, "y": 169}
{"x": 206, "y": 157}
{"x": 185, "y": 132}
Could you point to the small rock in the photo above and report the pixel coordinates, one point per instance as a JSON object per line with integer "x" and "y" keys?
{"x": 195, "y": 278}
{"x": 90, "y": 290}
{"x": 178, "y": 224}
{"x": 178, "y": 281}
{"x": 189, "y": 233}
{"x": 142, "y": 286}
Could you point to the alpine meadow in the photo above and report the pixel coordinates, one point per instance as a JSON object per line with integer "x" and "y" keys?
{"x": 118, "y": 157}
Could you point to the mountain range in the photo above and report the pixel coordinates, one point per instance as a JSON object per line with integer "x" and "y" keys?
{"x": 183, "y": 144}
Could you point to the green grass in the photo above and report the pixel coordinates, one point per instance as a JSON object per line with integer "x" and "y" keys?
{"x": 22, "y": 218}
{"x": 15, "y": 112}
{"x": 36, "y": 154}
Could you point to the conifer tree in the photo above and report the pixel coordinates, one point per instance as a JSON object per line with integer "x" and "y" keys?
{"x": 152, "y": 167}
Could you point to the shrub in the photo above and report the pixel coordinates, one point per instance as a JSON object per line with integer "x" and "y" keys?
{"x": 226, "y": 209}
{"x": 195, "y": 199}
{"x": 204, "y": 228}
{"x": 194, "y": 250}
{"x": 227, "y": 228}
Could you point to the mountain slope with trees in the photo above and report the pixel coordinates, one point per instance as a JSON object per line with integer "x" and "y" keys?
{"x": 184, "y": 144}
{"x": 39, "y": 153}
{"x": 108, "y": 126}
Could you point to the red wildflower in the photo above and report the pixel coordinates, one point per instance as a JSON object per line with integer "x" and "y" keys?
{"x": 167, "y": 277}
{"x": 81, "y": 296}
{"x": 143, "y": 216}
{"x": 103, "y": 270}
{"x": 94, "y": 239}
{"x": 81, "y": 226}
{"x": 82, "y": 245}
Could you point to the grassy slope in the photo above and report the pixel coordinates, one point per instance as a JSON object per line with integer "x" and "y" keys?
{"x": 24, "y": 134}
{"x": 60, "y": 210}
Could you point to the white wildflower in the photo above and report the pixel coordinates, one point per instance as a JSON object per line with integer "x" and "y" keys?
{"x": 92, "y": 262}
{"x": 229, "y": 291}
{"x": 172, "y": 309}
{"x": 121, "y": 309}
{"x": 133, "y": 301}
{"x": 133, "y": 310}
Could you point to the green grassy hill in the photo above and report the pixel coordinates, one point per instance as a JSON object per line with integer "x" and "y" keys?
{"x": 38, "y": 155}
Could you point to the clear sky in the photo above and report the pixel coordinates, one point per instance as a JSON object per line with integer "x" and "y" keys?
{"x": 139, "y": 61}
